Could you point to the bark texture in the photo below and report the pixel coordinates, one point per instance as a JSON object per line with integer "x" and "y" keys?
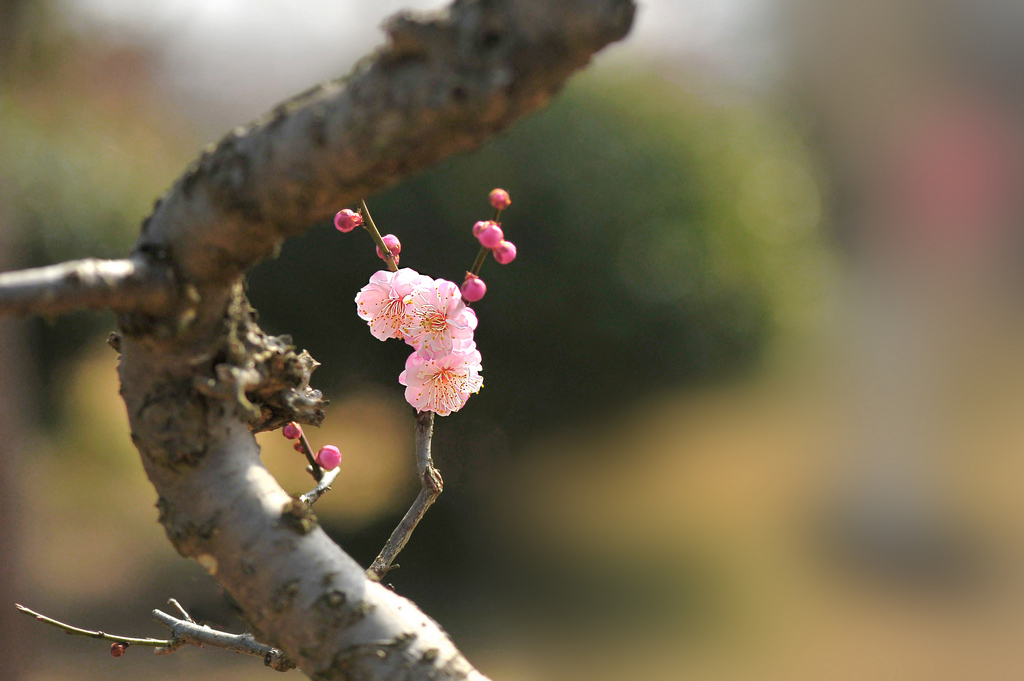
{"x": 198, "y": 376}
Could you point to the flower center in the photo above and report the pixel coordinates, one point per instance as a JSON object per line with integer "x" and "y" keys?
{"x": 394, "y": 307}
{"x": 434, "y": 322}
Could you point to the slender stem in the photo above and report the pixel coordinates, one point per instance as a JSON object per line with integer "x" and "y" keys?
{"x": 431, "y": 485}
{"x": 481, "y": 256}
{"x": 370, "y": 227}
{"x": 310, "y": 497}
{"x": 313, "y": 467}
{"x": 75, "y": 631}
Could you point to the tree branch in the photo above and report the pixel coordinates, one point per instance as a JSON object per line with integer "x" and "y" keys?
{"x": 198, "y": 379}
{"x": 183, "y": 632}
{"x": 119, "y": 285}
{"x": 187, "y": 632}
{"x": 445, "y": 83}
{"x": 431, "y": 485}
{"x": 324, "y": 484}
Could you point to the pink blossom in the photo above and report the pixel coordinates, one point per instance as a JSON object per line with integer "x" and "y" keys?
{"x": 384, "y": 302}
{"x": 443, "y": 384}
{"x": 438, "y": 322}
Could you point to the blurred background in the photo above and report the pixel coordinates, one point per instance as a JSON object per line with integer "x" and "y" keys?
{"x": 753, "y": 386}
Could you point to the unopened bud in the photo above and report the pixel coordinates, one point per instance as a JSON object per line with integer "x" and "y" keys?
{"x": 117, "y": 649}
{"x": 500, "y": 199}
{"x": 393, "y": 244}
{"x": 292, "y": 431}
{"x": 347, "y": 220}
{"x": 490, "y": 236}
{"x": 474, "y": 288}
{"x": 328, "y": 457}
{"x": 505, "y": 252}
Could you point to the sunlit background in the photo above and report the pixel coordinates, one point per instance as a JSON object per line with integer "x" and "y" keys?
{"x": 753, "y": 387}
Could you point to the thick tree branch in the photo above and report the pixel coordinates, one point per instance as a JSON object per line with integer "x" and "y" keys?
{"x": 119, "y": 285}
{"x": 445, "y": 83}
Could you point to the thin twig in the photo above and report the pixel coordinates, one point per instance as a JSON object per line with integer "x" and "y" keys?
{"x": 374, "y": 233}
{"x": 310, "y": 497}
{"x": 431, "y": 486}
{"x": 183, "y": 632}
{"x": 190, "y": 633}
{"x": 177, "y": 606}
{"x": 75, "y": 631}
{"x": 121, "y": 285}
{"x": 313, "y": 468}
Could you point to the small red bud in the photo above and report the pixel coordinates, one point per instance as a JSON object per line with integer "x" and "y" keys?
{"x": 117, "y": 649}
{"x": 490, "y": 236}
{"x": 393, "y": 244}
{"x": 298, "y": 447}
{"x": 328, "y": 457}
{"x": 505, "y": 252}
{"x": 500, "y": 199}
{"x": 347, "y": 220}
{"x": 292, "y": 431}
{"x": 474, "y": 288}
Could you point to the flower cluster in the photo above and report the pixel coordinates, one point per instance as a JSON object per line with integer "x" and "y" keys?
{"x": 431, "y": 315}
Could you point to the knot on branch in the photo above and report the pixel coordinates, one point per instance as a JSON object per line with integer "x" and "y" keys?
{"x": 262, "y": 376}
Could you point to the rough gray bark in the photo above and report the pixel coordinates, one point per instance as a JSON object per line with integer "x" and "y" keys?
{"x": 198, "y": 376}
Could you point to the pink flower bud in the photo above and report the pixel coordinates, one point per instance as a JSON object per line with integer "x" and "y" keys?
{"x": 298, "y": 447}
{"x": 474, "y": 288}
{"x": 500, "y": 199}
{"x": 347, "y": 220}
{"x": 393, "y": 244}
{"x": 490, "y": 236}
{"x": 328, "y": 457}
{"x": 117, "y": 649}
{"x": 482, "y": 225}
{"x": 505, "y": 252}
{"x": 292, "y": 431}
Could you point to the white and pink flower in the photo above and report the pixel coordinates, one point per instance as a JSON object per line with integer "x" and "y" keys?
{"x": 385, "y": 302}
{"x": 438, "y": 321}
{"x": 442, "y": 384}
